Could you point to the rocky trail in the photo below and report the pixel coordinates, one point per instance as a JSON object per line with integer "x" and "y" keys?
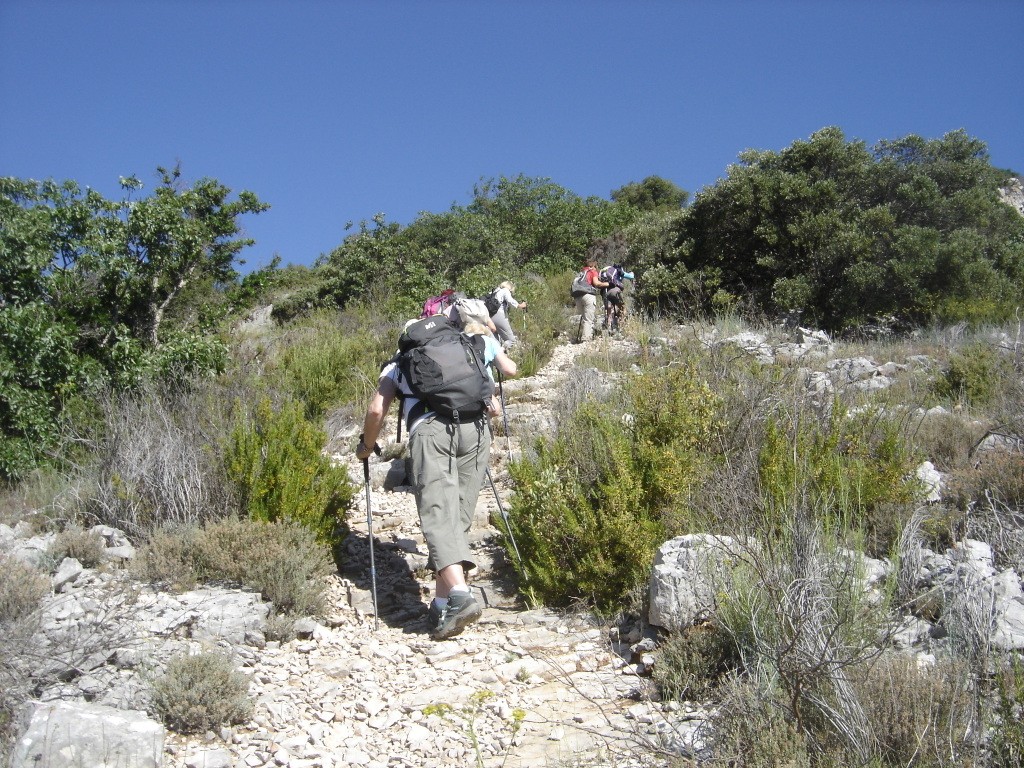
{"x": 519, "y": 688}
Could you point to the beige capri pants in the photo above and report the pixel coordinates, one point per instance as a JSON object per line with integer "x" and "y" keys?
{"x": 449, "y": 462}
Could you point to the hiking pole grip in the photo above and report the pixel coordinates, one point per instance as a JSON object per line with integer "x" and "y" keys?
{"x": 369, "y": 533}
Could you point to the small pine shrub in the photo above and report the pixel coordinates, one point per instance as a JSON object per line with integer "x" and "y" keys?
{"x": 853, "y": 472}
{"x": 200, "y": 693}
{"x": 675, "y": 419}
{"x": 330, "y": 364}
{"x": 582, "y": 540}
{"x": 276, "y": 463}
{"x": 593, "y": 503}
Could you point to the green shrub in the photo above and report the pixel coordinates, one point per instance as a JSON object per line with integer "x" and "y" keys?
{"x": 593, "y": 503}
{"x": 580, "y": 539}
{"x": 539, "y": 326}
{"x": 200, "y": 693}
{"x": 333, "y": 358}
{"x": 852, "y": 472}
{"x": 675, "y": 419}
{"x": 976, "y": 374}
{"x": 275, "y": 460}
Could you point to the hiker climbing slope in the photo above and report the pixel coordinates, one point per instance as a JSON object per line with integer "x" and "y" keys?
{"x": 498, "y": 303}
{"x": 447, "y": 396}
{"x": 584, "y": 290}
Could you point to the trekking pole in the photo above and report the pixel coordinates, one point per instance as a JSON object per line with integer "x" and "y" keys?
{"x": 369, "y": 528}
{"x": 504, "y": 416}
{"x": 504, "y": 516}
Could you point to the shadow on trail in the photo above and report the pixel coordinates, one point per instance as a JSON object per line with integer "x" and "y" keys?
{"x": 400, "y": 600}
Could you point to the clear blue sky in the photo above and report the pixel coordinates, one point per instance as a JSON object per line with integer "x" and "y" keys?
{"x": 334, "y": 111}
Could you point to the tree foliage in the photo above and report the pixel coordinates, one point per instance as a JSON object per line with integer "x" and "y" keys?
{"x": 652, "y": 194}
{"x": 87, "y": 285}
{"x": 511, "y": 226}
{"x": 912, "y": 228}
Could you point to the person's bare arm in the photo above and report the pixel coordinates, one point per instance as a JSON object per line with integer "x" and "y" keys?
{"x": 380, "y": 402}
{"x": 505, "y": 364}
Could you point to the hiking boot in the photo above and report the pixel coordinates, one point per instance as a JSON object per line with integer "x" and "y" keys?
{"x": 461, "y": 611}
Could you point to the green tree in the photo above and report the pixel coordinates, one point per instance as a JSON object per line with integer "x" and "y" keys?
{"x": 652, "y": 194}
{"x": 511, "y": 226}
{"x": 86, "y": 285}
{"x": 913, "y": 228}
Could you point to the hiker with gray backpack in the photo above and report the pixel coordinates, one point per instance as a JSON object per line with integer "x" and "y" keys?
{"x": 499, "y": 301}
{"x": 584, "y": 290}
{"x": 447, "y": 396}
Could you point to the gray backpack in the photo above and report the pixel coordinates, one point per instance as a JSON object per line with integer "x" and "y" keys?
{"x": 581, "y": 286}
{"x": 445, "y": 369}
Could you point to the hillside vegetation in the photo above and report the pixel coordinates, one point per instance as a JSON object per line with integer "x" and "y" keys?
{"x": 133, "y": 394}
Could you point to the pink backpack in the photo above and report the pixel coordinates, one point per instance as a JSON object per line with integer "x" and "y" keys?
{"x": 435, "y": 305}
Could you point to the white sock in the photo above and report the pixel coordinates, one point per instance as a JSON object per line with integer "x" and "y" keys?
{"x": 459, "y": 590}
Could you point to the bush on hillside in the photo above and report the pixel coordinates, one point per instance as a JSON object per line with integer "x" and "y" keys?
{"x": 853, "y": 473}
{"x": 976, "y": 375}
{"x": 330, "y": 361}
{"x": 275, "y": 460}
{"x": 843, "y": 233}
{"x": 158, "y": 459}
{"x": 594, "y": 502}
{"x": 282, "y": 560}
{"x": 199, "y": 693}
